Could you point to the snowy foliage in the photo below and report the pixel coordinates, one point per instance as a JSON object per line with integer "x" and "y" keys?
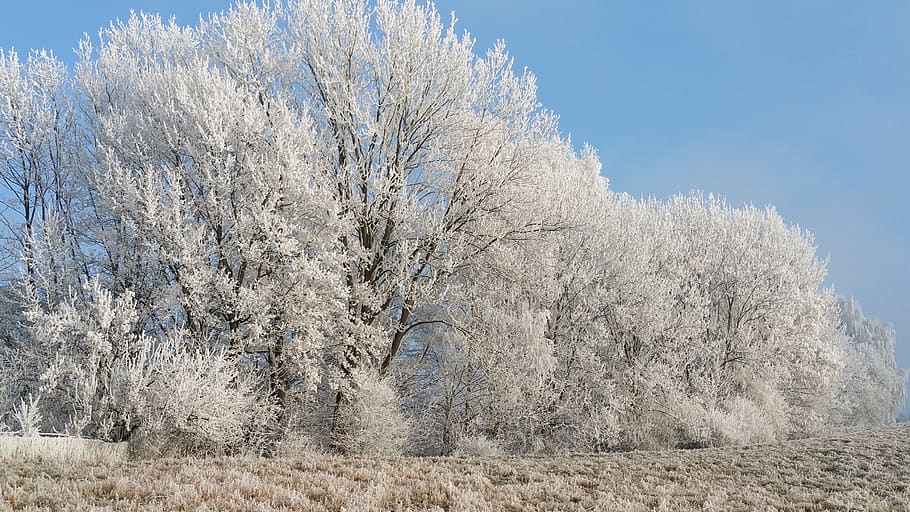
{"x": 871, "y": 389}
{"x": 373, "y": 423}
{"x": 333, "y": 219}
{"x": 38, "y": 147}
{"x": 686, "y": 323}
{"x": 99, "y": 378}
{"x": 477, "y": 446}
{"x": 28, "y": 416}
{"x": 195, "y": 402}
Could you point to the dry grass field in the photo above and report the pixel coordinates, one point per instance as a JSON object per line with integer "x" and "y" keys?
{"x": 857, "y": 471}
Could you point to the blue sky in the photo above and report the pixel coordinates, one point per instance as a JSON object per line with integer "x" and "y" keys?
{"x": 804, "y": 105}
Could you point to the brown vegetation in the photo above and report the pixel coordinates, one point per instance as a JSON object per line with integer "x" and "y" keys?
{"x": 867, "y": 470}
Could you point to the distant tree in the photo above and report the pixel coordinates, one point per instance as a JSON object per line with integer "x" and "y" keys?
{"x": 654, "y": 324}
{"x": 871, "y": 389}
{"x": 712, "y": 312}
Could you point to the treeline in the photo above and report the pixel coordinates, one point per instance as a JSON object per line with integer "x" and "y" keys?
{"x": 329, "y": 223}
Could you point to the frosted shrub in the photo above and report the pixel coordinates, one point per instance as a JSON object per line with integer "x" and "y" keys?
{"x": 689, "y": 425}
{"x": 870, "y": 388}
{"x": 27, "y": 415}
{"x": 597, "y": 430}
{"x": 8, "y": 391}
{"x": 6, "y": 399}
{"x": 742, "y": 422}
{"x": 307, "y": 422}
{"x": 197, "y": 402}
{"x": 102, "y": 377}
{"x": 477, "y": 446}
{"x": 371, "y": 423}
{"x": 80, "y": 348}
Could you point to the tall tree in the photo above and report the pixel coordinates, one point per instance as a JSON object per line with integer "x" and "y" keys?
{"x": 218, "y": 192}
{"x": 432, "y": 151}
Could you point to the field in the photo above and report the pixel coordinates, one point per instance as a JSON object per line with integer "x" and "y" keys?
{"x": 867, "y": 470}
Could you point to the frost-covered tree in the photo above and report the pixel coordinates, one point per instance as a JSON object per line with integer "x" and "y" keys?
{"x": 488, "y": 369}
{"x": 373, "y": 138}
{"x": 871, "y": 388}
{"x": 219, "y": 194}
{"x": 39, "y": 149}
{"x": 430, "y": 148}
{"x": 725, "y": 306}
{"x": 658, "y": 324}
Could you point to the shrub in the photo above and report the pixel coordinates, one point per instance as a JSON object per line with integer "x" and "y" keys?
{"x": 477, "y": 446}
{"x": 102, "y": 377}
{"x": 195, "y": 402}
{"x": 370, "y": 421}
{"x": 742, "y": 422}
{"x": 28, "y": 416}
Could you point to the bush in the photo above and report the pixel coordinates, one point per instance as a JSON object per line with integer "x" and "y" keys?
{"x": 195, "y": 402}
{"x": 370, "y": 421}
{"x": 102, "y": 377}
{"x": 741, "y": 423}
{"x": 477, "y": 446}
{"x": 28, "y": 416}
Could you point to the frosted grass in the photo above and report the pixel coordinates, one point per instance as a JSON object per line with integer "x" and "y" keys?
{"x": 865, "y": 470}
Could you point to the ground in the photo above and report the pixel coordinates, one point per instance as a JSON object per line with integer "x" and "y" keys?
{"x": 868, "y": 470}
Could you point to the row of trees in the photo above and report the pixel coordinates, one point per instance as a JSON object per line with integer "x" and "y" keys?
{"x": 331, "y": 221}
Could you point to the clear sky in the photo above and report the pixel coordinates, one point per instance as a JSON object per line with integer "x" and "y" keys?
{"x": 803, "y": 105}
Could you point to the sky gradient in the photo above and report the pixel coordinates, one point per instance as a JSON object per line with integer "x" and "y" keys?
{"x": 803, "y": 105}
